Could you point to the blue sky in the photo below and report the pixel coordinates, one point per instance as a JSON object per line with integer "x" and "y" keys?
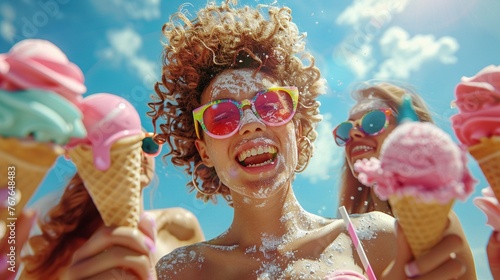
{"x": 427, "y": 43}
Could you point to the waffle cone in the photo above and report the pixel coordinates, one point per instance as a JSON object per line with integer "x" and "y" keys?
{"x": 116, "y": 192}
{"x": 422, "y": 223}
{"x": 29, "y": 163}
{"x": 487, "y": 155}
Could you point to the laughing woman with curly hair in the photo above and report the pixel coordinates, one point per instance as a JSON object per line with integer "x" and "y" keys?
{"x": 237, "y": 106}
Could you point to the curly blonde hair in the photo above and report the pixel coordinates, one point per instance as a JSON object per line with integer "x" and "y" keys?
{"x": 221, "y": 38}
{"x": 354, "y": 195}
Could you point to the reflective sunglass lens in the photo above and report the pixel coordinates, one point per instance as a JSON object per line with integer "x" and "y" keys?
{"x": 149, "y": 146}
{"x": 373, "y": 122}
{"x": 342, "y": 133}
{"x": 222, "y": 118}
{"x": 274, "y": 106}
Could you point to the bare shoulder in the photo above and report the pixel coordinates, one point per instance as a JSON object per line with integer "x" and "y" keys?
{"x": 374, "y": 222}
{"x": 377, "y": 233}
{"x": 179, "y": 222}
{"x": 376, "y": 229}
{"x": 182, "y": 263}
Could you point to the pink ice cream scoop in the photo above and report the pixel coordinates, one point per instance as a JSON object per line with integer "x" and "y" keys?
{"x": 107, "y": 118}
{"x": 39, "y": 64}
{"x": 418, "y": 159}
{"x": 478, "y": 100}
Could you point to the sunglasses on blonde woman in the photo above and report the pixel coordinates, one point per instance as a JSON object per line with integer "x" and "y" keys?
{"x": 222, "y": 118}
{"x": 150, "y": 146}
{"x": 372, "y": 123}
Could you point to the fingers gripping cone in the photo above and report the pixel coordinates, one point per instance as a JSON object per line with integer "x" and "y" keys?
{"x": 29, "y": 163}
{"x": 487, "y": 155}
{"x": 423, "y": 223}
{"x": 115, "y": 191}
{"x": 422, "y": 172}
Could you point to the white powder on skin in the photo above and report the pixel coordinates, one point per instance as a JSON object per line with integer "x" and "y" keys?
{"x": 272, "y": 263}
{"x": 366, "y": 228}
{"x": 337, "y": 246}
{"x": 238, "y": 82}
{"x": 252, "y": 249}
{"x": 180, "y": 255}
{"x": 261, "y": 205}
{"x": 368, "y": 105}
{"x": 249, "y": 117}
{"x": 222, "y": 248}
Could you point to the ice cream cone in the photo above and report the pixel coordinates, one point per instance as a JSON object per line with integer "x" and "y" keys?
{"x": 423, "y": 223}
{"x": 487, "y": 155}
{"x": 28, "y": 162}
{"x": 116, "y": 191}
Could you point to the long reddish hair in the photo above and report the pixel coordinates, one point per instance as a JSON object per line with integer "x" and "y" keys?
{"x": 74, "y": 218}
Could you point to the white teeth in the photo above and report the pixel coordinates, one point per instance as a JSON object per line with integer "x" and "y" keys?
{"x": 362, "y": 147}
{"x": 261, "y": 164}
{"x": 257, "y": 151}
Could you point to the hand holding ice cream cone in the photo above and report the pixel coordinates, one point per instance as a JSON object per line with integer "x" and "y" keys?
{"x": 421, "y": 172}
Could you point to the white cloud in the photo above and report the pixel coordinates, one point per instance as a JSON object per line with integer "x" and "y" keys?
{"x": 363, "y": 12}
{"x": 7, "y": 29}
{"x": 135, "y": 9}
{"x": 406, "y": 54}
{"x": 124, "y": 47}
{"x": 328, "y": 157}
{"x": 401, "y": 53}
{"x": 366, "y": 18}
{"x": 359, "y": 59}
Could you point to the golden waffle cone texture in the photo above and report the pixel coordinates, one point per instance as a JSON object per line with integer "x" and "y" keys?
{"x": 116, "y": 192}
{"x": 487, "y": 155}
{"x": 422, "y": 223}
{"x": 32, "y": 161}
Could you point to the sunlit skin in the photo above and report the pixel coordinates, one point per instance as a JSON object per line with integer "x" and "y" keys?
{"x": 126, "y": 252}
{"x": 362, "y": 145}
{"x": 253, "y": 182}
{"x": 367, "y": 146}
{"x": 272, "y": 236}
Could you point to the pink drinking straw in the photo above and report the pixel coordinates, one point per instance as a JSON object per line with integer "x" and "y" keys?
{"x": 357, "y": 244}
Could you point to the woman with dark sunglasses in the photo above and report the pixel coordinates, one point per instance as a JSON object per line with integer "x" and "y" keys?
{"x": 371, "y": 119}
{"x": 237, "y": 108}
{"x": 75, "y": 244}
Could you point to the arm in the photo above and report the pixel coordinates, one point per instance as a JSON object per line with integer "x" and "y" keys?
{"x": 176, "y": 227}
{"x": 384, "y": 244}
{"x": 449, "y": 259}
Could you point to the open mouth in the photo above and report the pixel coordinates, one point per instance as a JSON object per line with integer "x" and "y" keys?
{"x": 360, "y": 150}
{"x": 257, "y": 156}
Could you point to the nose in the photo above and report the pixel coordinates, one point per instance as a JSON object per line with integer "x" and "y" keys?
{"x": 250, "y": 122}
{"x": 355, "y": 132}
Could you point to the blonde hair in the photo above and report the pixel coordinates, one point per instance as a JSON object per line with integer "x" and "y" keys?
{"x": 354, "y": 195}
{"x": 220, "y": 38}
